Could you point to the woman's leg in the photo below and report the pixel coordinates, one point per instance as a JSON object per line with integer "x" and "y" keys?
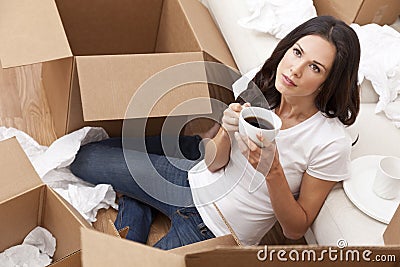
{"x": 137, "y": 216}
{"x": 187, "y": 227}
{"x": 103, "y": 162}
{"x": 131, "y": 173}
{"x": 189, "y": 147}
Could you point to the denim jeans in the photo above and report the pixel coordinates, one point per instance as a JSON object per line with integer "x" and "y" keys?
{"x": 107, "y": 162}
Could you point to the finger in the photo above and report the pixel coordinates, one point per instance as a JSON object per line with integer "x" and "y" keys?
{"x": 231, "y": 113}
{"x": 242, "y": 145}
{"x": 252, "y": 146}
{"x": 235, "y": 107}
{"x": 232, "y": 121}
{"x": 247, "y": 104}
{"x": 260, "y": 137}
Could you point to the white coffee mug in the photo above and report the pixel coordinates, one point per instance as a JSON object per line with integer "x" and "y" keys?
{"x": 387, "y": 180}
{"x": 263, "y": 116}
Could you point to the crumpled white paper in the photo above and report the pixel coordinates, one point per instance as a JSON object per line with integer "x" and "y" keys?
{"x": 51, "y": 162}
{"x": 380, "y": 63}
{"x": 36, "y": 250}
{"x": 277, "y": 17}
{"x": 101, "y": 196}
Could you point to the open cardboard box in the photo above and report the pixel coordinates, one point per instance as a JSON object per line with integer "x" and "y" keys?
{"x": 99, "y": 249}
{"x": 25, "y": 203}
{"x": 96, "y": 54}
{"x": 360, "y": 11}
{"x": 75, "y": 260}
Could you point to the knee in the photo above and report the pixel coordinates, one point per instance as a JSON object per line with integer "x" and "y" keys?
{"x": 84, "y": 161}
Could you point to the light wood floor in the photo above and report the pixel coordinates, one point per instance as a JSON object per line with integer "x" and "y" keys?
{"x": 23, "y": 103}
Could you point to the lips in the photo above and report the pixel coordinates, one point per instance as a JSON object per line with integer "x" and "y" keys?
{"x": 287, "y": 80}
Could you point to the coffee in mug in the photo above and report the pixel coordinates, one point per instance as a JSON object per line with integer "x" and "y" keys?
{"x": 259, "y": 123}
{"x": 254, "y": 120}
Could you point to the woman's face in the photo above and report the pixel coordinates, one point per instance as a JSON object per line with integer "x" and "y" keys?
{"x": 305, "y": 66}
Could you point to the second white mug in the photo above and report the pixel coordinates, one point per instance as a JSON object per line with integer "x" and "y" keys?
{"x": 387, "y": 180}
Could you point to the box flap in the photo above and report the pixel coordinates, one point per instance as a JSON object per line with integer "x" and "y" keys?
{"x": 17, "y": 173}
{"x": 206, "y": 245}
{"x": 344, "y": 10}
{"x": 99, "y": 249}
{"x": 108, "y": 85}
{"x": 72, "y": 260}
{"x": 31, "y": 31}
{"x": 208, "y": 35}
{"x": 380, "y": 12}
{"x": 391, "y": 236}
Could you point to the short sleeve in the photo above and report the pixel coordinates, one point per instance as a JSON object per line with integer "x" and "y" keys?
{"x": 242, "y": 83}
{"x": 331, "y": 161}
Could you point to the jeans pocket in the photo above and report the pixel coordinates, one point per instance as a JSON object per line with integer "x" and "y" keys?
{"x": 204, "y": 231}
{"x": 192, "y": 217}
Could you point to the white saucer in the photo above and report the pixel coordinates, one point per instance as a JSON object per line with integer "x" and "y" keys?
{"x": 359, "y": 190}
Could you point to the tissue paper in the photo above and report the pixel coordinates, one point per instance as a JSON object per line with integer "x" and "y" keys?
{"x": 36, "y": 251}
{"x": 51, "y": 163}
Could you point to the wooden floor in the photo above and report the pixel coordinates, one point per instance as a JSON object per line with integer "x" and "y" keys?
{"x": 23, "y": 104}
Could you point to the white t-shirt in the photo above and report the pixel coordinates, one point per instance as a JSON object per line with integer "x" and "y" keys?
{"x": 319, "y": 146}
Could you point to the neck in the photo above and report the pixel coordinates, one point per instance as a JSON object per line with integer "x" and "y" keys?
{"x": 297, "y": 108}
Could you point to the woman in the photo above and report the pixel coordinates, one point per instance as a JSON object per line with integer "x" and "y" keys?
{"x": 310, "y": 81}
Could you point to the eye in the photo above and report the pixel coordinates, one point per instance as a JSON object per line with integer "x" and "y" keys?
{"x": 296, "y": 52}
{"x": 315, "y": 68}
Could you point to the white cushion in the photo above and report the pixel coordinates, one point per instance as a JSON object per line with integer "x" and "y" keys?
{"x": 377, "y": 135}
{"x": 249, "y": 48}
{"x": 340, "y": 219}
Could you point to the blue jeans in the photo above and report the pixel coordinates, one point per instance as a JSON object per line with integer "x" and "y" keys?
{"x": 106, "y": 162}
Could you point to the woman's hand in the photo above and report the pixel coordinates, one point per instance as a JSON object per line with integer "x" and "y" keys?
{"x": 217, "y": 150}
{"x": 261, "y": 159}
{"x": 230, "y": 119}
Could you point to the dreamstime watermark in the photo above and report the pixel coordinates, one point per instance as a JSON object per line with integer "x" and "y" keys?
{"x": 338, "y": 253}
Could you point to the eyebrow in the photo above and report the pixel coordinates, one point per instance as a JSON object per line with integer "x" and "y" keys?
{"x": 316, "y": 62}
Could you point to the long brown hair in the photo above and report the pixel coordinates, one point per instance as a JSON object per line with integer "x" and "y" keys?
{"x": 339, "y": 95}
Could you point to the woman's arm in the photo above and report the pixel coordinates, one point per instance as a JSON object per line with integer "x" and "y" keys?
{"x": 218, "y": 149}
{"x": 296, "y": 216}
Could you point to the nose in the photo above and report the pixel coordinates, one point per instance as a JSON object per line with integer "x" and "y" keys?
{"x": 297, "y": 69}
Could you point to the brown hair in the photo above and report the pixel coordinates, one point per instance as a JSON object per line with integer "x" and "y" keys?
{"x": 339, "y": 95}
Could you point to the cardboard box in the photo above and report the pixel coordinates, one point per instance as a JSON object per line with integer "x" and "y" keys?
{"x": 360, "y": 11}
{"x": 75, "y": 260}
{"x": 96, "y": 54}
{"x": 99, "y": 249}
{"x": 25, "y": 203}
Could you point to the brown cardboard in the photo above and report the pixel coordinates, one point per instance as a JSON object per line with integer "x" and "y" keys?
{"x": 25, "y": 202}
{"x": 391, "y": 236}
{"x": 360, "y": 11}
{"x": 73, "y": 260}
{"x": 96, "y": 56}
{"x": 99, "y": 249}
{"x": 15, "y": 181}
{"x": 33, "y": 31}
{"x": 227, "y": 240}
{"x": 120, "y": 252}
